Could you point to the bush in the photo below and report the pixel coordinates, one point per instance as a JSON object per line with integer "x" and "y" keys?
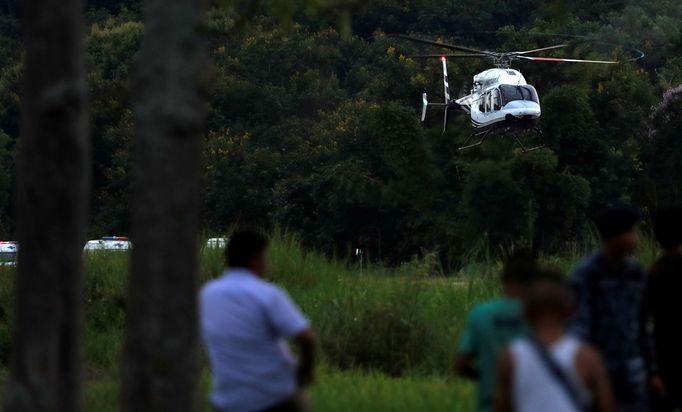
{"x": 376, "y": 330}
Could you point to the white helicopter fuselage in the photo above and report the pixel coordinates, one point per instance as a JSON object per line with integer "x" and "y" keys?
{"x": 501, "y": 97}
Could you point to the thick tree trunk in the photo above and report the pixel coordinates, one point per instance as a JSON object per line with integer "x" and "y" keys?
{"x": 160, "y": 363}
{"x": 52, "y": 186}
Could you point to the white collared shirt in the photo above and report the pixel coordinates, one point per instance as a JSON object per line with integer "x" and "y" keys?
{"x": 245, "y": 322}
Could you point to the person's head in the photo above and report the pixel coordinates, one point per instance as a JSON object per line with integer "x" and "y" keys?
{"x": 517, "y": 273}
{"x": 246, "y": 249}
{"x": 618, "y": 228}
{"x": 668, "y": 227}
{"x": 548, "y": 299}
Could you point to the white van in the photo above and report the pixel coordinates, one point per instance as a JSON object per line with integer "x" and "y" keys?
{"x": 109, "y": 243}
{"x": 8, "y": 253}
{"x": 217, "y": 242}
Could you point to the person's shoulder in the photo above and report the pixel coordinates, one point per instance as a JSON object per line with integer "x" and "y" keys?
{"x": 274, "y": 289}
{"x": 213, "y": 285}
{"x": 519, "y": 341}
{"x": 519, "y": 345}
{"x": 268, "y": 291}
{"x": 588, "y": 263}
{"x": 233, "y": 280}
{"x": 586, "y": 267}
{"x": 483, "y": 307}
{"x": 490, "y": 307}
{"x": 588, "y": 354}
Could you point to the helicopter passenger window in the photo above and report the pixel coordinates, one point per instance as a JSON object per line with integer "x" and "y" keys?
{"x": 496, "y": 99}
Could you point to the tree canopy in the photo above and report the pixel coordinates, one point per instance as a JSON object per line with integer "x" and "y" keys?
{"x": 317, "y": 131}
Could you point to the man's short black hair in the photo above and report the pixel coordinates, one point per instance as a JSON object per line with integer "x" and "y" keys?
{"x": 615, "y": 221}
{"x": 520, "y": 268}
{"x": 668, "y": 226}
{"x": 243, "y": 247}
{"x": 548, "y": 294}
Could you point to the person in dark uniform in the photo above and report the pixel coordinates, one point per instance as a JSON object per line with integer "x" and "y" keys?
{"x": 610, "y": 289}
{"x": 665, "y": 284}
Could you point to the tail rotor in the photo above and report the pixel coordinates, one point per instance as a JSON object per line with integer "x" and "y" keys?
{"x": 446, "y": 91}
{"x": 446, "y": 105}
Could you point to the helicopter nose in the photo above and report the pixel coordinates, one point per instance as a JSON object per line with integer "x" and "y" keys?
{"x": 533, "y": 109}
{"x": 524, "y": 108}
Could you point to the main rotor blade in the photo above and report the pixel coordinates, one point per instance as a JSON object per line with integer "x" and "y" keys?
{"x": 540, "y": 49}
{"x": 448, "y": 56}
{"x": 555, "y": 59}
{"x": 443, "y": 45}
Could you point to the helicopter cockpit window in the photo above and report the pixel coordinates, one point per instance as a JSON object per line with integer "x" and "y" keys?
{"x": 510, "y": 93}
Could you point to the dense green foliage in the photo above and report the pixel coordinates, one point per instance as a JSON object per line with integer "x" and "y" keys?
{"x": 318, "y": 132}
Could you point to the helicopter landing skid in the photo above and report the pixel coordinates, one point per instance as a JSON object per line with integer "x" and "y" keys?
{"x": 466, "y": 146}
{"x": 532, "y": 149}
{"x": 484, "y": 136}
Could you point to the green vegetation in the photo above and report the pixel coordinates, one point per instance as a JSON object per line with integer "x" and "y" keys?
{"x": 343, "y": 392}
{"x": 315, "y": 129}
{"x": 388, "y": 336}
{"x": 318, "y": 132}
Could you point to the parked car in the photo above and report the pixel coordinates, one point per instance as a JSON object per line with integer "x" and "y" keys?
{"x": 217, "y": 242}
{"x": 8, "y": 252}
{"x": 109, "y": 243}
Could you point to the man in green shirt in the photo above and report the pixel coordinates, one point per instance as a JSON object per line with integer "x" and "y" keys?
{"x": 491, "y": 326}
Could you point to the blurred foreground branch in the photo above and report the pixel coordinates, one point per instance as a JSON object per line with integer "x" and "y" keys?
{"x": 160, "y": 364}
{"x": 52, "y": 202}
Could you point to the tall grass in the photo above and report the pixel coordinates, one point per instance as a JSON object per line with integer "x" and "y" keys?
{"x": 377, "y": 323}
{"x": 395, "y": 321}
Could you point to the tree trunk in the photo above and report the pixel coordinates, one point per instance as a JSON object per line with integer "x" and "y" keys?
{"x": 160, "y": 363}
{"x": 53, "y": 170}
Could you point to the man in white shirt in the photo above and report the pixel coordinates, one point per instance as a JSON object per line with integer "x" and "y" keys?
{"x": 245, "y": 323}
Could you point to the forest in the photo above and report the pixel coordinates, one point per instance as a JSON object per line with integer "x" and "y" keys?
{"x": 313, "y": 122}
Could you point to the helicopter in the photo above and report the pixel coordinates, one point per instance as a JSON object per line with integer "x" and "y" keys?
{"x": 500, "y": 99}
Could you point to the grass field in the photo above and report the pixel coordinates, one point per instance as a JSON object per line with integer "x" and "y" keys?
{"x": 342, "y": 392}
{"x": 388, "y": 337}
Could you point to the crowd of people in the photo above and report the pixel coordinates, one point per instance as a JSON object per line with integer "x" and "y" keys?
{"x": 602, "y": 339}
{"x": 605, "y": 340}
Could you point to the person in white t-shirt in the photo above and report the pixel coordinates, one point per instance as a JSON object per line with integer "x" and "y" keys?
{"x": 551, "y": 371}
{"x": 245, "y": 324}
